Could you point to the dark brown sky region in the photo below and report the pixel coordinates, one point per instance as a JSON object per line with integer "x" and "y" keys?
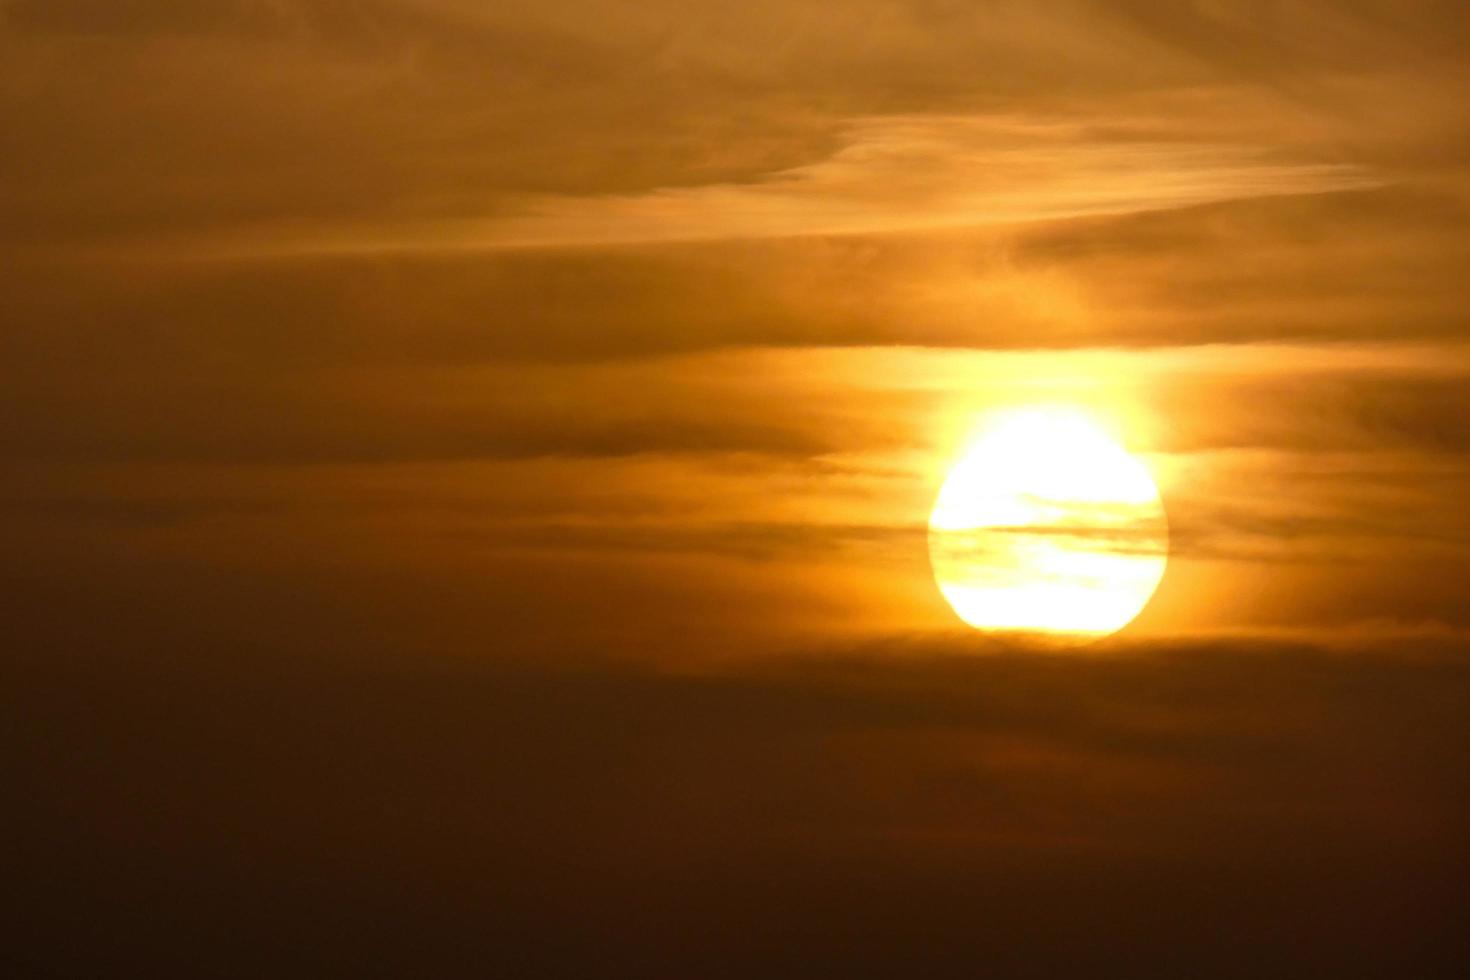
{"x": 465, "y": 469}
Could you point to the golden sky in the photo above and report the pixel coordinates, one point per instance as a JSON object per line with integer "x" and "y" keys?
{"x": 483, "y": 449}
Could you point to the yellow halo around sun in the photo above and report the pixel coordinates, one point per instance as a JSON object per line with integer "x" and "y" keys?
{"x": 1048, "y": 526}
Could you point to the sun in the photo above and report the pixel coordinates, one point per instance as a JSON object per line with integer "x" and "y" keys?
{"x": 1047, "y": 525}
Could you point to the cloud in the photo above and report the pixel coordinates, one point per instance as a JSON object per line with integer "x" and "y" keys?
{"x": 1332, "y": 268}
{"x": 755, "y": 813}
{"x": 369, "y": 124}
{"x": 908, "y": 173}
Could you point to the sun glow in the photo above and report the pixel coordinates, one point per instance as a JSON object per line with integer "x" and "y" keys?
{"x": 1047, "y": 525}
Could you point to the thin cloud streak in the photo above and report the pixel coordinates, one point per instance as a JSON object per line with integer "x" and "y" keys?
{"x": 895, "y": 174}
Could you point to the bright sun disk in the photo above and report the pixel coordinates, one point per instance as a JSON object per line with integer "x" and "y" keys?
{"x": 1047, "y": 525}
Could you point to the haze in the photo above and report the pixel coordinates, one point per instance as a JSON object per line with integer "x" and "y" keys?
{"x": 466, "y": 472}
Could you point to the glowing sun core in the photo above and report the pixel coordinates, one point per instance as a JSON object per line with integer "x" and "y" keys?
{"x": 1047, "y": 525}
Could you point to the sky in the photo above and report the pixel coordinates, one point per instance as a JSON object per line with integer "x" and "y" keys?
{"x": 465, "y": 471}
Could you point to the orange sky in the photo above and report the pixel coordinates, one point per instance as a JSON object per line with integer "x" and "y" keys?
{"x": 586, "y": 371}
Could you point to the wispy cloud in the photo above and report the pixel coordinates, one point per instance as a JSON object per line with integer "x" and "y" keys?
{"x": 909, "y": 173}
